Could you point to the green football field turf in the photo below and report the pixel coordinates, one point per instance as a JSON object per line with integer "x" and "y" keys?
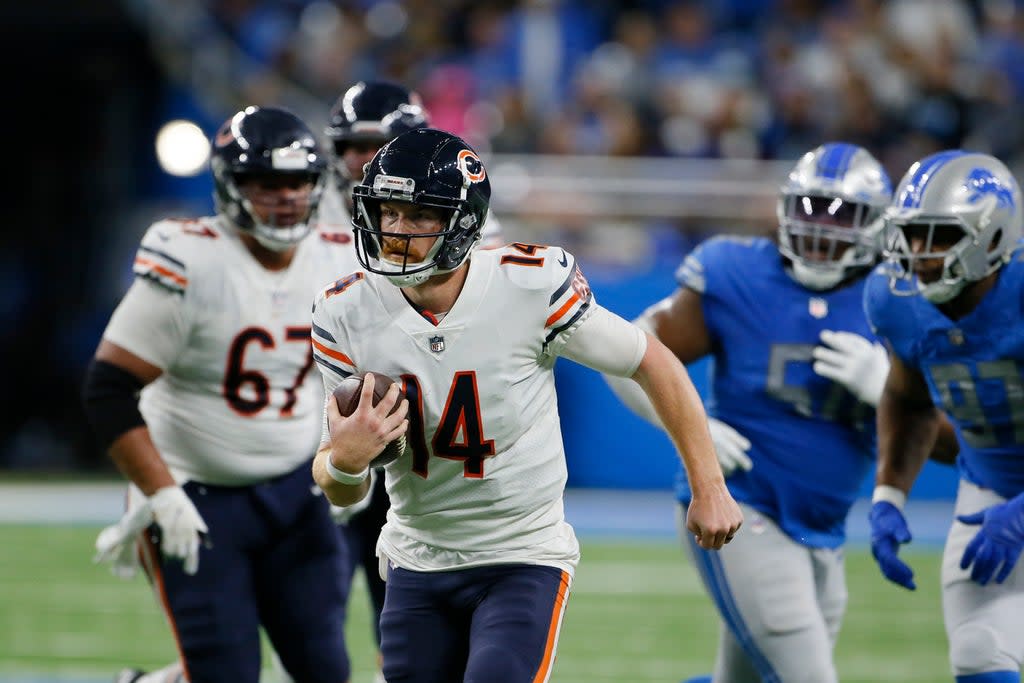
{"x": 637, "y": 615}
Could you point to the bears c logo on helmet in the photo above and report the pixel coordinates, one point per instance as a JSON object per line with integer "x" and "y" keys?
{"x": 471, "y": 166}
{"x": 224, "y": 136}
{"x": 229, "y": 131}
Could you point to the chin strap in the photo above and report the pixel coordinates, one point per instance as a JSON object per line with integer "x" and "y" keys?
{"x": 815, "y": 278}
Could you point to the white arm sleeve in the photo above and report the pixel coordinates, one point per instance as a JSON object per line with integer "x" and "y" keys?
{"x": 150, "y": 323}
{"x": 607, "y": 343}
{"x": 631, "y": 393}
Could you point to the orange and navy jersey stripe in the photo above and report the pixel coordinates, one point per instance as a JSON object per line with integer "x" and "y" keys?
{"x": 568, "y": 302}
{"x": 327, "y": 351}
{"x": 336, "y": 236}
{"x": 328, "y": 355}
{"x": 161, "y": 268}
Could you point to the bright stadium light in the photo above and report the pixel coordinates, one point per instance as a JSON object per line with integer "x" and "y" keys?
{"x": 182, "y": 148}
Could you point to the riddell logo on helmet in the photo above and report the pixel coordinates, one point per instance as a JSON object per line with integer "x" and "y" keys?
{"x": 471, "y": 166}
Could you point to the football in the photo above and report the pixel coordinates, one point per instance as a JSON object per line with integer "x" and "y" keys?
{"x": 346, "y": 395}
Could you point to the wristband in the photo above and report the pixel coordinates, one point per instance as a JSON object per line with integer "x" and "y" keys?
{"x": 889, "y": 494}
{"x": 344, "y": 477}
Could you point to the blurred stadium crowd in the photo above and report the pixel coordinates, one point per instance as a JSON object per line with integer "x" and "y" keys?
{"x": 731, "y": 78}
{"x": 734, "y": 79}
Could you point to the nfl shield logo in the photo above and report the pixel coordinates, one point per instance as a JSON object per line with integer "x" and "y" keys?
{"x": 817, "y": 307}
{"x": 437, "y": 344}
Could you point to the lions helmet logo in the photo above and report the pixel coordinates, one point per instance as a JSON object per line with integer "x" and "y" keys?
{"x": 471, "y": 166}
{"x": 982, "y": 182}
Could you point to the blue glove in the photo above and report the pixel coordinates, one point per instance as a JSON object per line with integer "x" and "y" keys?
{"x": 998, "y": 542}
{"x": 888, "y": 531}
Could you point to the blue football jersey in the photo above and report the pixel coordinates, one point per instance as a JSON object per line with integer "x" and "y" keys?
{"x": 812, "y": 441}
{"x": 973, "y": 368}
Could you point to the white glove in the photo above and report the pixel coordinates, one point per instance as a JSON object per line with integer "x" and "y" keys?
{"x": 341, "y": 514}
{"x": 730, "y": 446}
{"x": 116, "y": 543}
{"x": 181, "y": 526}
{"x": 854, "y": 362}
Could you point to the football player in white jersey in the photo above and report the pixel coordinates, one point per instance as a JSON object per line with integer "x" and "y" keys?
{"x": 361, "y": 121}
{"x": 201, "y": 389}
{"x": 477, "y": 553}
{"x": 364, "y": 118}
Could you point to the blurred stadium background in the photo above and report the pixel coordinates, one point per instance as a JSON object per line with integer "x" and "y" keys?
{"x": 625, "y": 131}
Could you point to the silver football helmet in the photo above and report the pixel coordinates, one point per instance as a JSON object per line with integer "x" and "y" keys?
{"x": 958, "y": 208}
{"x": 830, "y": 214}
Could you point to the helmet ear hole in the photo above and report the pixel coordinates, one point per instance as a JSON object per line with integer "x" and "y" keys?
{"x": 997, "y": 238}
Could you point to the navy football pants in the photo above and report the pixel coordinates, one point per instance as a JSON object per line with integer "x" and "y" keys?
{"x": 494, "y": 624}
{"x": 273, "y": 559}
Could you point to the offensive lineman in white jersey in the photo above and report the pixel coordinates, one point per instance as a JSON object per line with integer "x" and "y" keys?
{"x": 215, "y": 333}
{"x": 479, "y": 557}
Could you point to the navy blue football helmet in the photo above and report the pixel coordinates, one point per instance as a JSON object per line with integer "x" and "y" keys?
{"x": 429, "y": 168}
{"x": 373, "y": 113}
{"x": 265, "y": 142}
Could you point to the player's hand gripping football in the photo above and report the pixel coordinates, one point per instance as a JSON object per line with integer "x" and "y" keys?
{"x": 888, "y": 531}
{"x": 713, "y": 517}
{"x": 182, "y": 529}
{"x": 730, "y": 446}
{"x": 851, "y": 360}
{"x": 360, "y": 437}
{"x": 996, "y": 547}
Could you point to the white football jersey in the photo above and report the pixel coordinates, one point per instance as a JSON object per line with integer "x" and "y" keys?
{"x": 481, "y": 481}
{"x": 333, "y": 212}
{"x": 236, "y": 403}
